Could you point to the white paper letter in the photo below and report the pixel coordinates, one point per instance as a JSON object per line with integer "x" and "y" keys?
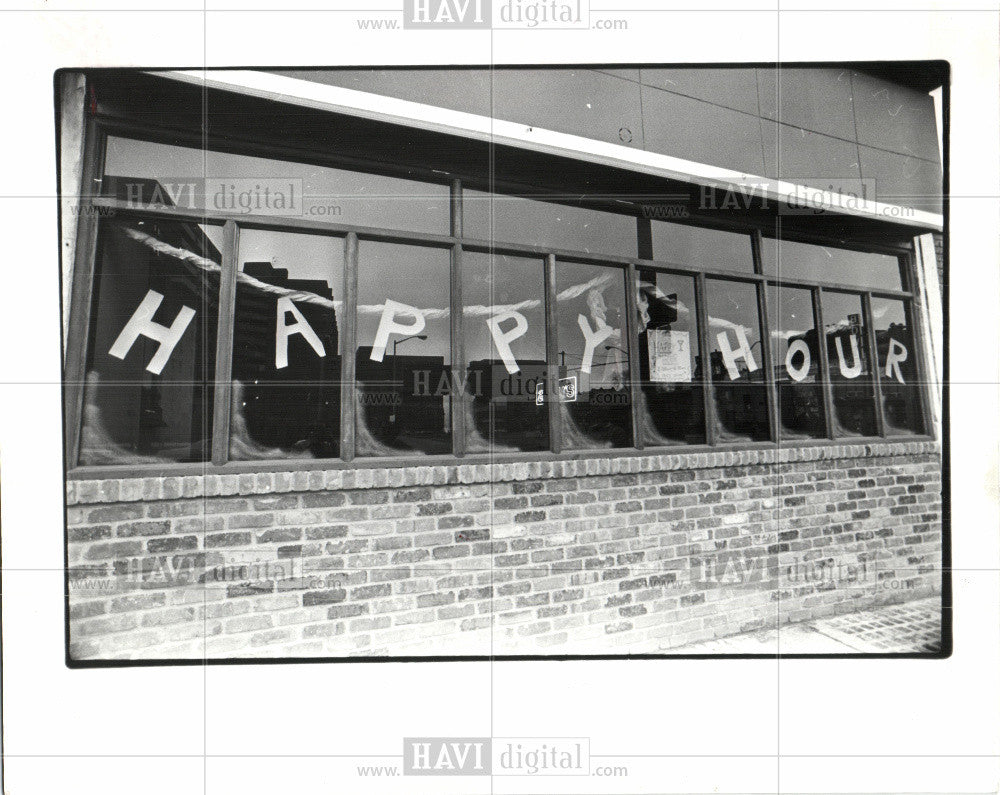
{"x": 283, "y": 332}
{"x": 503, "y": 339}
{"x": 387, "y": 325}
{"x": 729, "y": 356}
{"x": 141, "y": 323}
{"x": 798, "y": 373}
{"x": 897, "y": 353}
{"x": 593, "y": 339}
{"x": 855, "y": 369}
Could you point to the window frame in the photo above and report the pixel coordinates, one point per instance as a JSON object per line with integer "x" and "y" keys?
{"x": 94, "y": 207}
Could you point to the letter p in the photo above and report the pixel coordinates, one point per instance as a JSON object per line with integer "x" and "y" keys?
{"x": 503, "y": 339}
{"x": 387, "y": 325}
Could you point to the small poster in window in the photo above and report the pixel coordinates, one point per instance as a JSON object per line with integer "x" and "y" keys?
{"x": 567, "y": 391}
{"x": 669, "y": 356}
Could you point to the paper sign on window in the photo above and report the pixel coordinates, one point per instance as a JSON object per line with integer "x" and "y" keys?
{"x": 669, "y": 356}
{"x": 567, "y": 391}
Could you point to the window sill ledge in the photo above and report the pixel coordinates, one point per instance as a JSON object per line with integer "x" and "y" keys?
{"x": 191, "y": 481}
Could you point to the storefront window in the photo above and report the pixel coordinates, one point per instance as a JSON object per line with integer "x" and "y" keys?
{"x": 698, "y": 246}
{"x": 151, "y": 358}
{"x": 788, "y": 259}
{"x": 897, "y": 367}
{"x": 736, "y": 361}
{"x": 504, "y": 325}
{"x": 795, "y": 353}
{"x": 670, "y": 362}
{"x": 286, "y": 346}
{"x": 404, "y": 387}
{"x": 541, "y": 223}
{"x": 152, "y": 174}
{"x": 593, "y": 367}
{"x": 149, "y": 363}
{"x": 850, "y": 365}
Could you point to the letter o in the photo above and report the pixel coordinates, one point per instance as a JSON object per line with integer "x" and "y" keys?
{"x": 798, "y": 373}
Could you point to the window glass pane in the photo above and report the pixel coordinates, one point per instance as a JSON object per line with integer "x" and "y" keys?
{"x": 404, "y": 350}
{"x": 737, "y": 362}
{"x": 850, "y": 365}
{"x": 151, "y": 353}
{"x": 897, "y": 366}
{"x": 795, "y": 353}
{"x": 504, "y": 330}
{"x": 286, "y": 346}
{"x": 670, "y": 360}
{"x": 694, "y": 246}
{"x": 554, "y": 226}
{"x": 791, "y": 260}
{"x": 593, "y": 360}
{"x": 147, "y": 173}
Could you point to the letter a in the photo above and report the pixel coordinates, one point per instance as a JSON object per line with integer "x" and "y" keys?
{"x": 283, "y": 332}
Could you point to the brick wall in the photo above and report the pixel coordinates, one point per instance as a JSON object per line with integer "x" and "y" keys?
{"x": 638, "y": 553}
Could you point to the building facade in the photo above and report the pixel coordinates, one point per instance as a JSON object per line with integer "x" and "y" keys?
{"x": 496, "y": 362}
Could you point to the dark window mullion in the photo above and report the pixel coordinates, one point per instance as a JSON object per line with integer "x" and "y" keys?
{"x": 552, "y": 357}
{"x": 348, "y": 389}
{"x": 866, "y": 308}
{"x": 632, "y": 344}
{"x": 773, "y": 394}
{"x": 765, "y": 352}
{"x": 757, "y": 247}
{"x": 708, "y": 389}
{"x": 644, "y": 237}
{"x": 222, "y": 411}
{"x": 826, "y": 381}
{"x": 458, "y": 396}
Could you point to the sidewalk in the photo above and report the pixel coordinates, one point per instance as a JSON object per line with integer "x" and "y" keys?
{"x": 914, "y": 627}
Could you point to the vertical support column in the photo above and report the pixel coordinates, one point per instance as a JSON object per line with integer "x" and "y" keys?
{"x": 826, "y": 381}
{"x": 349, "y": 347}
{"x": 224, "y": 345}
{"x": 644, "y": 236}
{"x": 458, "y": 375}
{"x": 707, "y": 388}
{"x": 552, "y": 357}
{"x": 866, "y": 307}
{"x": 927, "y": 308}
{"x": 73, "y": 140}
{"x": 757, "y": 250}
{"x": 634, "y": 376}
{"x": 770, "y": 386}
{"x": 81, "y": 294}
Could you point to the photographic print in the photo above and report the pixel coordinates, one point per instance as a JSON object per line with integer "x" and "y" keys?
{"x": 517, "y": 362}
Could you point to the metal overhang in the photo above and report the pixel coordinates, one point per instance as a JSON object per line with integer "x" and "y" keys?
{"x": 375, "y": 107}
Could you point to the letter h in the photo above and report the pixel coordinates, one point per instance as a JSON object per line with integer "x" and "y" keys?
{"x": 141, "y": 324}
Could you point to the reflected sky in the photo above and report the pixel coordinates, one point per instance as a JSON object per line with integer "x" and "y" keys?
{"x": 793, "y": 260}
